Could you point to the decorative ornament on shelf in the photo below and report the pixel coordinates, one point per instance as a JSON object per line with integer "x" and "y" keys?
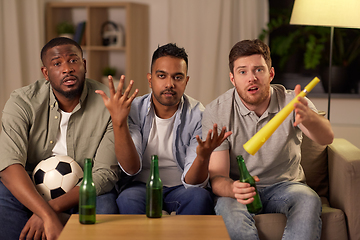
{"x": 65, "y": 29}
{"x": 112, "y": 34}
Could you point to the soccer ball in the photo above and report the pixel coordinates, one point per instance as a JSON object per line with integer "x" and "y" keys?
{"x": 56, "y": 175}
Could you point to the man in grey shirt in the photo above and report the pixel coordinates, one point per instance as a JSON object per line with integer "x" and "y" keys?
{"x": 244, "y": 110}
{"x": 32, "y": 130}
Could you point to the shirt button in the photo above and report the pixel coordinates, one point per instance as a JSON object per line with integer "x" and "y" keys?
{"x": 56, "y": 117}
{"x": 51, "y": 141}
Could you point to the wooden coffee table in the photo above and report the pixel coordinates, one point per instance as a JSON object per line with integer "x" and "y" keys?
{"x": 140, "y": 227}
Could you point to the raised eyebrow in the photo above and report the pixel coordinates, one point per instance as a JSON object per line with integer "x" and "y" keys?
{"x": 54, "y": 58}
{"x": 74, "y": 54}
{"x": 261, "y": 66}
{"x": 240, "y": 67}
{"x": 175, "y": 74}
{"x": 179, "y": 73}
{"x": 160, "y": 71}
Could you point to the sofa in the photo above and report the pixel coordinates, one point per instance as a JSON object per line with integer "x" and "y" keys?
{"x": 333, "y": 171}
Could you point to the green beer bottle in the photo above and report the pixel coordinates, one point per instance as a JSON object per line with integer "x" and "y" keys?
{"x": 87, "y": 196}
{"x": 245, "y": 176}
{"x": 154, "y": 191}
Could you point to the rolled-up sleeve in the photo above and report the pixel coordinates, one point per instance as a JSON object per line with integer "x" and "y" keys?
{"x": 190, "y": 157}
{"x": 13, "y": 135}
{"x": 105, "y": 169}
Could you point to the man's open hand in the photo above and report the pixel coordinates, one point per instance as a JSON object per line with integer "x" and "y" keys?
{"x": 213, "y": 140}
{"x": 118, "y": 103}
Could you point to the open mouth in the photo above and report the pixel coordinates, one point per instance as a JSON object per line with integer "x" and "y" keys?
{"x": 253, "y": 89}
{"x": 69, "y": 80}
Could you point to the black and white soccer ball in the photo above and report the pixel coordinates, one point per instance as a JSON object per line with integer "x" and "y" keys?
{"x": 56, "y": 175}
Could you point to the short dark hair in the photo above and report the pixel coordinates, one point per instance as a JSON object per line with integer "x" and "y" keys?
{"x": 58, "y": 42}
{"x": 172, "y": 50}
{"x": 248, "y": 48}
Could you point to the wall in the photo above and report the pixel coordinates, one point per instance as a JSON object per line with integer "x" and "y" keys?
{"x": 344, "y": 116}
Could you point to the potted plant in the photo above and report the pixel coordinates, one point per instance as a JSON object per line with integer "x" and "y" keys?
{"x": 311, "y": 45}
{"x": 345, "y": 60}
{"x": 106, "y": 72}
{"x": 65, "y": 29}
{"x": 288, "y": 40}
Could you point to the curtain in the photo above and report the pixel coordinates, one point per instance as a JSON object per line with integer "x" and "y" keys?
{"x": 206, "y": 29}
{"x": 216, "y": 25}
{"x": 21, "y": 39}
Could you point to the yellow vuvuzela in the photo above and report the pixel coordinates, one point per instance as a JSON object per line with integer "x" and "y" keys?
{"x": 255, "y": 143}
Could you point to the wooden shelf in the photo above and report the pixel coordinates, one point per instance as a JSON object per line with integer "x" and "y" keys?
{"x": 104, "y": 48}
{"x": 130, "y": 59}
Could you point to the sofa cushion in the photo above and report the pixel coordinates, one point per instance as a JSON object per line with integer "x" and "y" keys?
{"x": 315, "y": 165}
{"x": 270, "y": 226}
{"x": 333, "y": 222}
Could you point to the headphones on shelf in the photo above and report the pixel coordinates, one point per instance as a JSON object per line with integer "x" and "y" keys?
{"x": 111, "y": 35}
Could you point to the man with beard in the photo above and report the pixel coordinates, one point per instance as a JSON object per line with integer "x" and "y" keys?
{"x": 244, "y": 110}
{"x": 166, "y": 123}
{"x": 58, "y": 115}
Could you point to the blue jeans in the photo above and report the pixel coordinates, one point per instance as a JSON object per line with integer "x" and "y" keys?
{"x": 14, "y": 215}
{"x": 300, "y": 204}
{"x": 183, "y": 201}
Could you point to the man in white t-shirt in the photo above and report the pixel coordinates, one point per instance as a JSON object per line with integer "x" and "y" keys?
{"x": 166, "y": 123}
{"x": 58, "y": 115}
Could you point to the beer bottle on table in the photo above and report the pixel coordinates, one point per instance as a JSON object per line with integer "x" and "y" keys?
{"x": 245, "y": 176}
{"x": 87, "y": 196}
{"x": 154, "y": 191}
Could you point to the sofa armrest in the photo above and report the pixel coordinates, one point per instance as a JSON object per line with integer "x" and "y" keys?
{"x": 344, "y": 182}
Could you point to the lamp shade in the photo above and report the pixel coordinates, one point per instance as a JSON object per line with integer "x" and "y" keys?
{"x": 332, "y": 13}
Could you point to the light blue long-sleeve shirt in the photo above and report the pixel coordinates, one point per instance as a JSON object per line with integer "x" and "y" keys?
{"x": 186, "y": 126}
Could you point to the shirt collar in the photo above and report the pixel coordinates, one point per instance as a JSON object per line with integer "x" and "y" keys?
{"x": 243, "y": 110}
{"x": 272, "y": 108}
{"x": 274, "y": 105}
{"x": 84, "y": 93}
{"x": 54, "y": 103}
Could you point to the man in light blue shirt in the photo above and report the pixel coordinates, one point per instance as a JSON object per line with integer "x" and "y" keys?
{"x": 166, "y": 123}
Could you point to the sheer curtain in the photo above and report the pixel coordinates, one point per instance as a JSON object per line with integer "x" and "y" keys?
{"x": 21, "y": 39}
{"x": 208, "y": 30}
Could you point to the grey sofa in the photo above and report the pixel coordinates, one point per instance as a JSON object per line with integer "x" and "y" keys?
{"x": 333, "y": 171}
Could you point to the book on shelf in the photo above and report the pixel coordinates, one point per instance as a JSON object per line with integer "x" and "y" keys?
{"x": 80, "y": 32}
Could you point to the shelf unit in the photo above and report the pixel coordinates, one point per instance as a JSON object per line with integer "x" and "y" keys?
{"x": 132, "y": 59}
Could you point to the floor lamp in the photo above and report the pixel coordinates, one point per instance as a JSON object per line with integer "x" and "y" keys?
{"x": 330, "y": 13}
